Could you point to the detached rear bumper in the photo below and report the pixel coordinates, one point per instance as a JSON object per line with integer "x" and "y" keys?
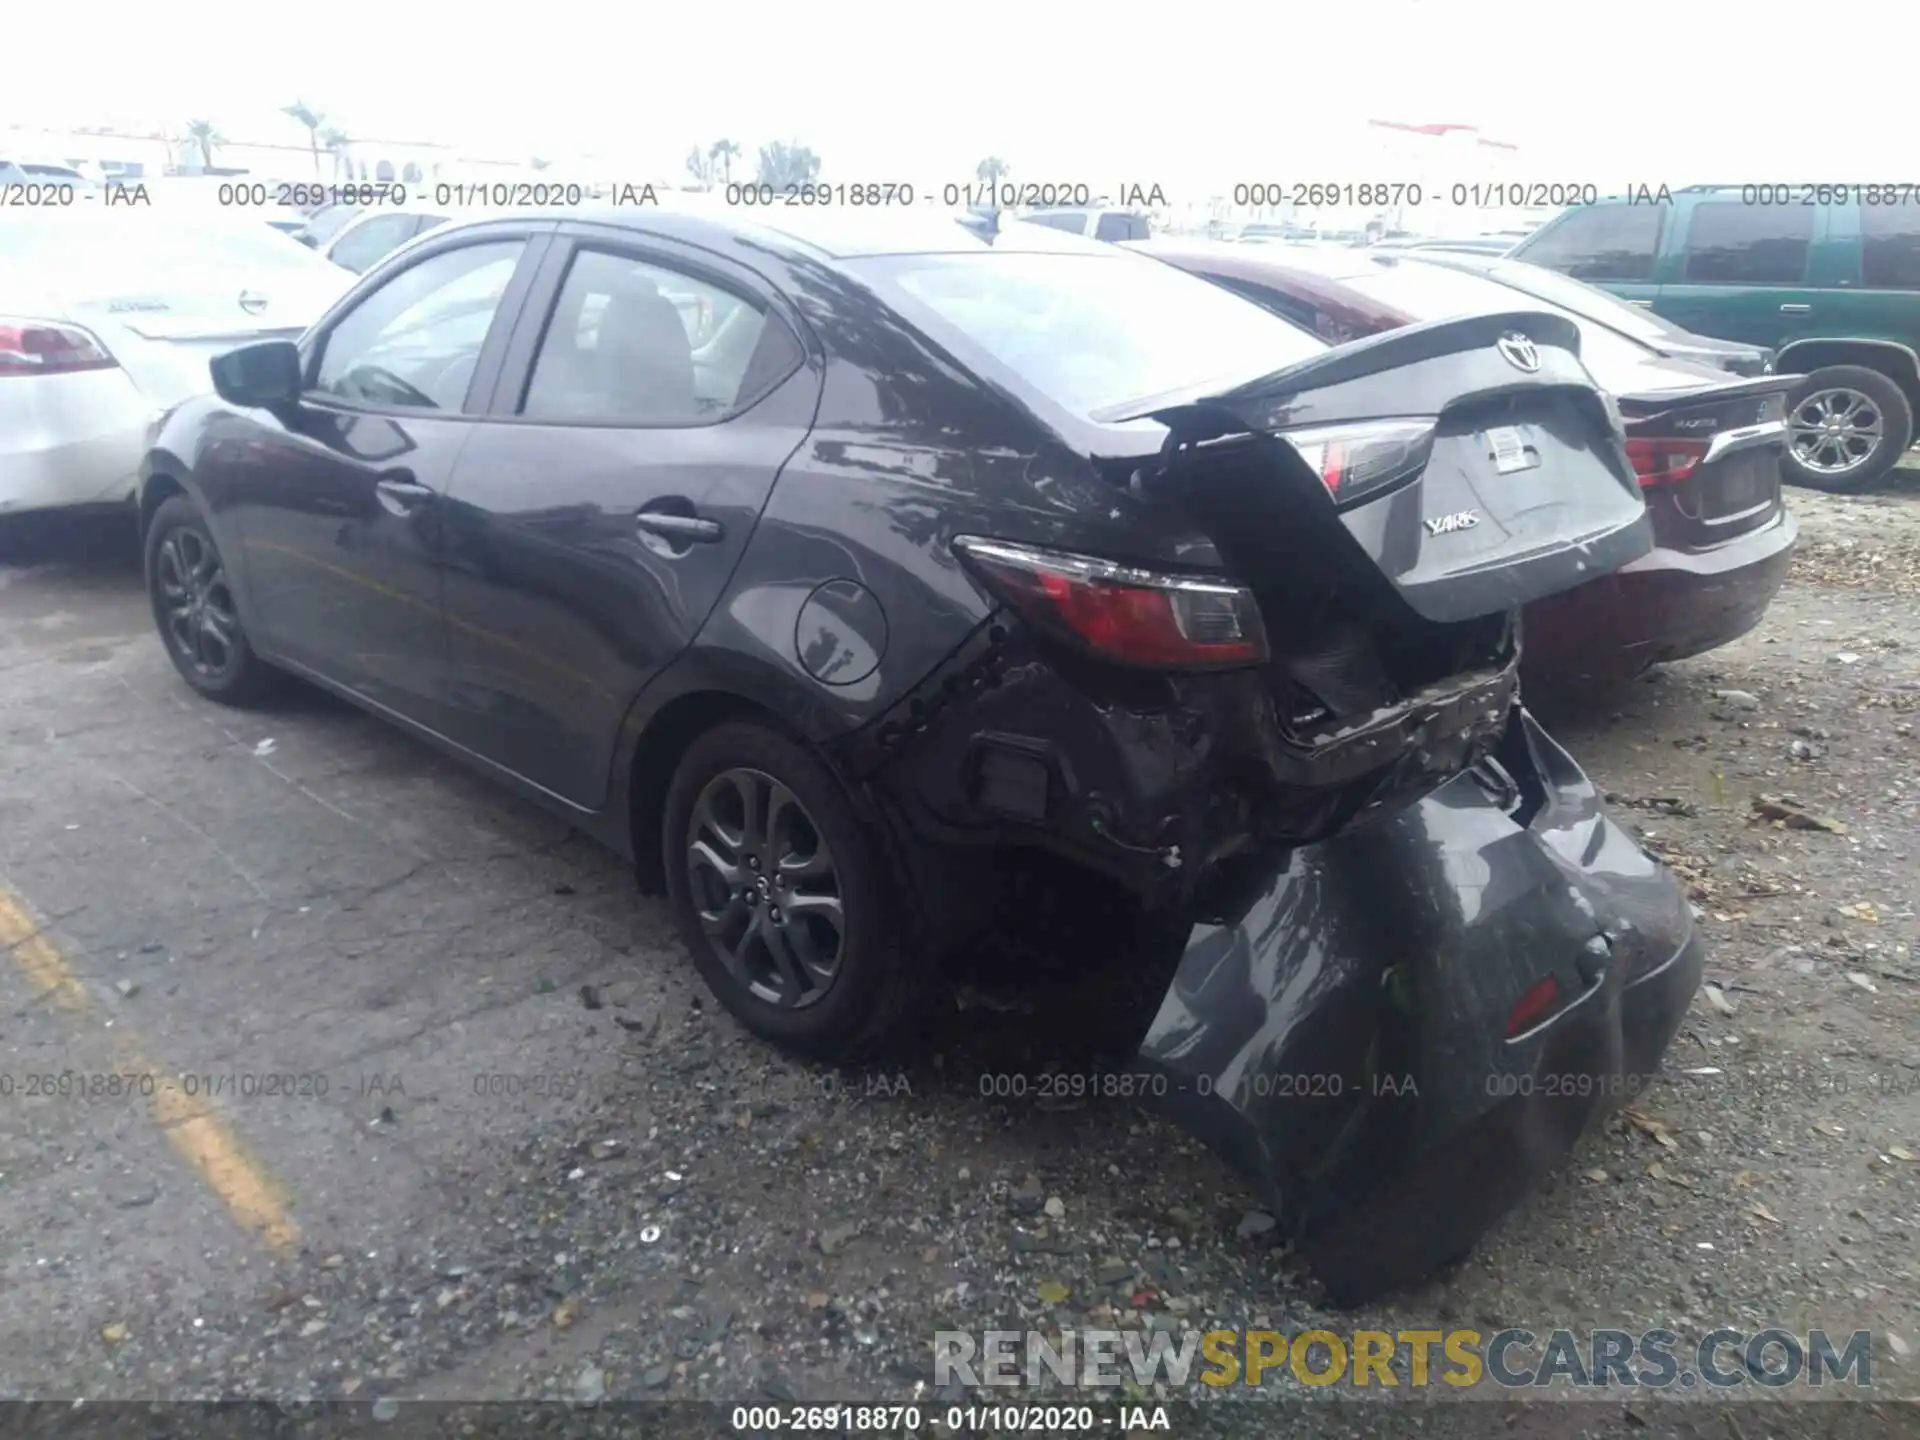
{"x": 1344, "y": 1040}
{"x": 1666, "y": 606}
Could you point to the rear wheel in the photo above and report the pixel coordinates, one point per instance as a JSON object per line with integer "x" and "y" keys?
{"x": 195, "y": 612}
{"x": 1846, "y": 427}
{"x": 794, "y": 920}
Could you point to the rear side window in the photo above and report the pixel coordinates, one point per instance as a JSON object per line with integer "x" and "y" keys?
{"x": 1730, "y": 243}
{"x": 1890, "y": 246}
{"x": 635, "y": 343}
{"x": 1601, "y": 242}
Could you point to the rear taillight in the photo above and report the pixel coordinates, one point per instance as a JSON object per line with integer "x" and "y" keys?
{"x": 1355, "y": 461}
{"x": 1135, "y": 617}
{"x": 1541, "y": 1001}
{"x": 1665, "y": 462}
{"x": 48, "y": 347}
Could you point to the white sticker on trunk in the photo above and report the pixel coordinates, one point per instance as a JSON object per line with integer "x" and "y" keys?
{"x": 1510, "y": 451}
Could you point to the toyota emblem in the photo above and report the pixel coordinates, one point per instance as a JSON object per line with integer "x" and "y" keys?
{"x": 253, "y": 304}
{"x": 1520, "y": 352}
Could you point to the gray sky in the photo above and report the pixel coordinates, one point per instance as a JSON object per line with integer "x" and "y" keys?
{"x": 1203, "y": 92}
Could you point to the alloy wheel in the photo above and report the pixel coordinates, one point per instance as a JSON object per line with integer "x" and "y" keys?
{"x": 196, "y": 604}
{"x": 765, "y": 888}
{"x": 1836, "y": 431}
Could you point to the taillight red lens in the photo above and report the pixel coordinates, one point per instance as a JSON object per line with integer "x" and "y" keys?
{"x": 1135, "y": 617}
{"x": 1540, "y": 1001}
{"x": 1354, "y": 461}
{"x": 46, "y": 347}
{"x": 1664, "y": 462}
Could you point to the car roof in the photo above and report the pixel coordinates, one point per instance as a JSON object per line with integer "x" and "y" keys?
{"x": 819, "y": 232}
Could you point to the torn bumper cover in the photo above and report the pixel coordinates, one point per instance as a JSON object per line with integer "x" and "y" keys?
{"x": 1413, "y": 1023}
{"x": 1154, "y": 779}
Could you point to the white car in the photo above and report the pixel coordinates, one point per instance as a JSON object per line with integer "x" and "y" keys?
{"x": 109, "y": 317}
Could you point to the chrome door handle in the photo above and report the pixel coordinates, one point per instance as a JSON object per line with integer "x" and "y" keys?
{"x": 689, "y": 529}
{"x": 401, "y": 497}
{"x": 1796, "y": 309}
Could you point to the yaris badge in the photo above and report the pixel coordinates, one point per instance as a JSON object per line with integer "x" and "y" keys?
{"x": 1447, "y": 524}
{"x": 1519, "y": 351}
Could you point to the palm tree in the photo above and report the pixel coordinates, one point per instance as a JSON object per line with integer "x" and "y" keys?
{"x": 992, "y": 170}
{"x": 337, "y": 144}
{"x": 782, "y": 164}
{"x": 700, "y": 167}
{"x": 312, "y": 119}
{"x": 721, "y": 153}
{"x": 201, "y": 134}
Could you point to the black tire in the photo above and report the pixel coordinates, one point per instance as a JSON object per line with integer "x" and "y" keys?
{"x": 1883, "y": 398}
{"x": 190, "y": 597}
{"x": 873, "y": 998}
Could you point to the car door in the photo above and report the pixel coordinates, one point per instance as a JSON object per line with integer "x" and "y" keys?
{"x": 1744, "y": 271}
{"x": 338, "y": 502}
{"x": 1612, "y": 244}
{"x": 1868, "y": 276}
{"x": 650, "y": 396}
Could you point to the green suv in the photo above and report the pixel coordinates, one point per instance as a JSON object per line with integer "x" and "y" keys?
{"x": 1826, "y": 276}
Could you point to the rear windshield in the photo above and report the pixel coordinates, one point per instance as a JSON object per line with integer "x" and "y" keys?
{"x": 1433, "y": 292}
{"x": 1089, "y": 331}
{"x": 1581, "y": 298}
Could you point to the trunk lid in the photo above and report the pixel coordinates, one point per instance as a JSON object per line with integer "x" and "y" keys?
{"x": 165, "y": 330}
{"x": 1738, "y": 430}
{"x": 1521, "y": 489}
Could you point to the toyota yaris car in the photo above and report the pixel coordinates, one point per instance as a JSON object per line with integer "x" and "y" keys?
{"x": 819, "y": 566}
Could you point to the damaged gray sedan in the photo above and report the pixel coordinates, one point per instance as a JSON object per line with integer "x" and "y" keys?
{"x": 822, "y": 566}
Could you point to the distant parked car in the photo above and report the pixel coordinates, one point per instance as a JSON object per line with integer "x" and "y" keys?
{"x": 1832, "y": 287}
{"x": 1592, "y": 303}
{"x": 374, "y": 234}
{"x": 1708, "y": 448}
{"x": 1095, "y": 222}
{"x": 326, "y": 222}
{"x": 108, "y": 318}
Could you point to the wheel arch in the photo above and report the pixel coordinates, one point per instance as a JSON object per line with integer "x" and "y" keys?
{"x": 698, "y": 691}
{"x": 1898, "y": 362}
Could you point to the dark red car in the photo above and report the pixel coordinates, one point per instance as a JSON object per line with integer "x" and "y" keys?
{"x": 1707, "y": 446}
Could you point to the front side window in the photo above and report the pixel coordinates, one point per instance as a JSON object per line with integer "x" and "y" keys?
{"x": 415, "y": 341}
{"x": 632, "y": 342}
{"x": 1729, "y": 243}
{"x": 1089, "y": 331}
{"x": 1612, "y": 241}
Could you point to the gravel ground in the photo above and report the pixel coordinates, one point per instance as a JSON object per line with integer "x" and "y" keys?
{"x": 692, "y": 1215}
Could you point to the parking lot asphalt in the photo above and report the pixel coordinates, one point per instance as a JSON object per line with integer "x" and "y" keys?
{"x": 331, "y": 1070}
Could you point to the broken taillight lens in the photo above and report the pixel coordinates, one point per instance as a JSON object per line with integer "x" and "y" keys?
{"x": 1541, "y": 1001}
{"x": 1358, "y": 460}
{"x": 1665, "y": 462}
{"x": 1136, "y": 617}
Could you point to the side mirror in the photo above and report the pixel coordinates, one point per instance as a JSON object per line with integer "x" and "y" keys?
{"x": 262, "y": 375}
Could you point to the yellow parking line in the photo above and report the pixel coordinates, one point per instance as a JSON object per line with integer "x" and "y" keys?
{"x": 191, "y": 1126}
